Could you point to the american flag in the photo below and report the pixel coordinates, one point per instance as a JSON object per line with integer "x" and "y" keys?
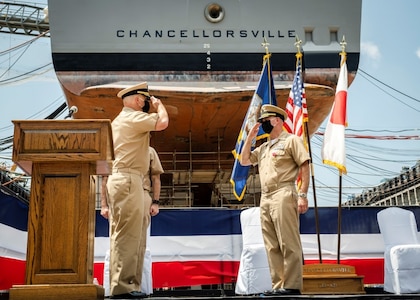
{"x": 296, "y": 108}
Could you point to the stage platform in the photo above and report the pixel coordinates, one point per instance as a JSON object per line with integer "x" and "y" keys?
{"x": 371, "y": 294}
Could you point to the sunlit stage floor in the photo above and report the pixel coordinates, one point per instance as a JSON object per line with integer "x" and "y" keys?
{"x": 371, "y": 294}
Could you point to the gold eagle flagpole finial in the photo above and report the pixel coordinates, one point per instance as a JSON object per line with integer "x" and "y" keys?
{"x": 265, "y": 44}
{"x": 343, "y": 45}
{"x": 298, "y": 44}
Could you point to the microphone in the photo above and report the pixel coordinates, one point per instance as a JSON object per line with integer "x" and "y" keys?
{"x": 72, "y": 111}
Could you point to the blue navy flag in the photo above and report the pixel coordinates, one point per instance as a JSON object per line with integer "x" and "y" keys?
{"x": 264, "y": 94}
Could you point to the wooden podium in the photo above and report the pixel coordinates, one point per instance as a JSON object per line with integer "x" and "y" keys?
{"x": 63, "y": 156}
{"x": 332, "y": 279}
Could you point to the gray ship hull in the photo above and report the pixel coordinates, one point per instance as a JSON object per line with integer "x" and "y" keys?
{"x": 203, "y": 61}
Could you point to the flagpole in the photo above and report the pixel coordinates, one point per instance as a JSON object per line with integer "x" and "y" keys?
{"x": 340, "y": 178}
{"x": 340, "y": 185}
{"x": 342, "y": 277}
{"x": 308, "y": 141}
{"x": 314, "y": 193}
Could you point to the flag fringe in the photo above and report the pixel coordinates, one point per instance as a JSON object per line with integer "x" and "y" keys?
{"x": 238, "y": 197}
{"x": 340, "y": 167}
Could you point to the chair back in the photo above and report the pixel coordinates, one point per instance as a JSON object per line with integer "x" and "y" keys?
{"x": 398, "y": 226}
{"x": 254, "y": 273}
{"x": 251, "y": 227}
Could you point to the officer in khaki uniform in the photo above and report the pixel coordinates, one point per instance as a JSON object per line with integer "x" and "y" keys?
{"x": 127, "y": 218}
{"x": 279, "y": 160}
{"x": 152, "y": 184}
{"x": 151, "y": 187}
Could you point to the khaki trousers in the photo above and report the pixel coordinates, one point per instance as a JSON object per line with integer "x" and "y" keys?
{"x": 146, "y": 223}
{"x": 280, "y": 229}
{"x": 126, "y": 199}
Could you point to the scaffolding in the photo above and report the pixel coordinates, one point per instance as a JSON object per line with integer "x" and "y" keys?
{"x": 402, "y": 190}
{"x": 18, "y": 18}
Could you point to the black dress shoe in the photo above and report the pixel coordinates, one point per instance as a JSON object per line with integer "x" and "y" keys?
{"x": 282, "y": 292}
{"x": 268, "y": 292}
{"x": 286, "y": 292}
{"x": 130, "y": 295}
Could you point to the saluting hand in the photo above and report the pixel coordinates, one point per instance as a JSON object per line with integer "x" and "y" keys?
{"x": 155, "y": 102}
{"x": 254, "y": 130}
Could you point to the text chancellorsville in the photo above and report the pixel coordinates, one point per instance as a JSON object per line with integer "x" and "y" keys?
{"x": 205, "y": 33}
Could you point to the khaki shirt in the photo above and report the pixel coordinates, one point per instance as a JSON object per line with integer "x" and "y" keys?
{"x": 279, "y": 162}
{"x": 130, "y": 132}
{"x": 155, "y": 169}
